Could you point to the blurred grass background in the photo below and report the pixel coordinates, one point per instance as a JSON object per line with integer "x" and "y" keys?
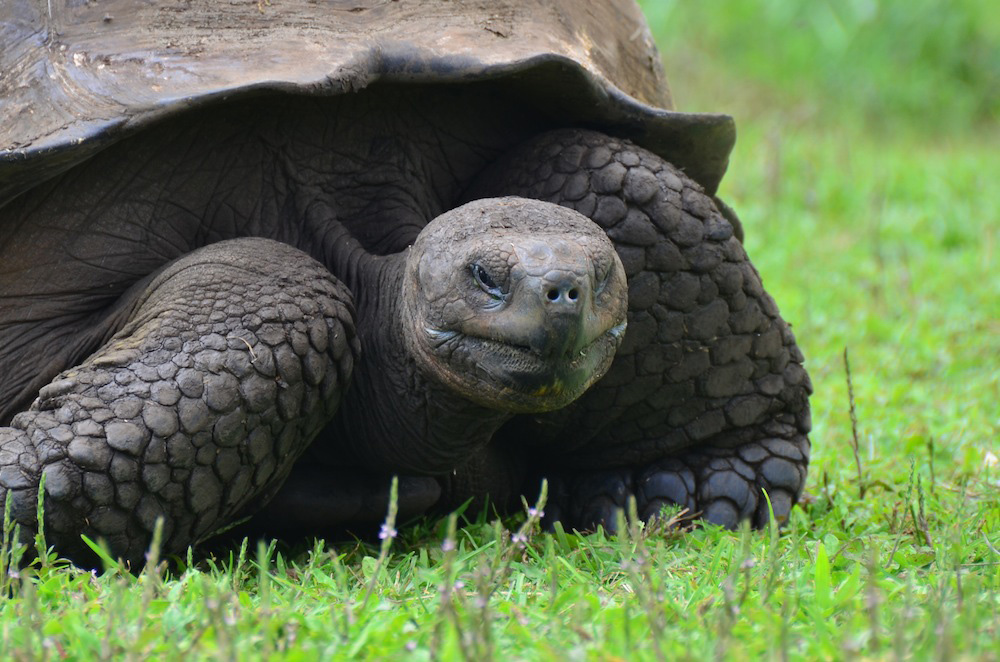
{"x": 927, "y": 66}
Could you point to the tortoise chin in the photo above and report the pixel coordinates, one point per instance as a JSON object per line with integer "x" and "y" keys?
{"x": 513, "y": 378}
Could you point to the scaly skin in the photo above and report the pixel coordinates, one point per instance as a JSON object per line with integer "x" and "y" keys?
{"x": 230, "y": 363}
{"x": 707, "y": 400}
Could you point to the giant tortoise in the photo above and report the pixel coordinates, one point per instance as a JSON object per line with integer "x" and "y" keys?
{"x": 256, "y": 259}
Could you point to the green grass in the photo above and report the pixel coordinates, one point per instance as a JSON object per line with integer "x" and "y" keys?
{"x": 920, "y": 65}
{"x": 875, "y": 232}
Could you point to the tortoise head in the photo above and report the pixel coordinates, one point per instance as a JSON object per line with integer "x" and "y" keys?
{"x": 515, "y": 304}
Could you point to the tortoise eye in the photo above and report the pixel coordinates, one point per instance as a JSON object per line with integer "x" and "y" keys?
{"x": 485, "y": 281}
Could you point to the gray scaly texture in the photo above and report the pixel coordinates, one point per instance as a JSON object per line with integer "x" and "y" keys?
{"x": 707, "y": 400}
{"x": 234, "y": 358}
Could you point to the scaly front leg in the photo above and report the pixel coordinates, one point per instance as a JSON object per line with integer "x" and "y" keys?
{"x": 232, "y": 360}
{"x": 707, "y": 400}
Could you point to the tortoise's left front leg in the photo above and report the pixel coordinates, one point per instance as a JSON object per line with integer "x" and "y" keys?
{"x": 719, "y": 484}
{"x": 707, "y": 400}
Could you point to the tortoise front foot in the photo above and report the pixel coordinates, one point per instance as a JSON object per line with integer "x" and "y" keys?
{"x": 232, "y": 359}
{"x": 720, "y": 485}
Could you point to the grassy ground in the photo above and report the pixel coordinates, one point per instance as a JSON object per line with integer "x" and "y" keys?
{"x": 866, "y": 176}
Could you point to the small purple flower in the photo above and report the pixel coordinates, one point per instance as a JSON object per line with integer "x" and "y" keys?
{"x": 387, "y": 532}
{"x": 411, "y": 646}
{"x": 448, "y": 545}
{"x": 535, "y": 513}
{"x": 518, "y": 539}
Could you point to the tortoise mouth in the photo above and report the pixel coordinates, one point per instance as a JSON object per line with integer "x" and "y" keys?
{"x": 512, "y": 377}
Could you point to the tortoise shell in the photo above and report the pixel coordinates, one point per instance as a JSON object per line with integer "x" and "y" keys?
{"x": 79, "y": 75}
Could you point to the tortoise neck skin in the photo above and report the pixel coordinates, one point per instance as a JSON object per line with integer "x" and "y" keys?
{"x": 394, "y": 417}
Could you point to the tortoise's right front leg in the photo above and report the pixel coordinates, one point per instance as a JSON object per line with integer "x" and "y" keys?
{"x": 233, "y": 359}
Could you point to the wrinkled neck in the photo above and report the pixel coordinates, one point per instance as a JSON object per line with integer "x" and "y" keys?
{"x": 394, "y": 417}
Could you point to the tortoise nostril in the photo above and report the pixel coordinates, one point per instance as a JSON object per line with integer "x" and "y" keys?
{"x": 563, "y": 293}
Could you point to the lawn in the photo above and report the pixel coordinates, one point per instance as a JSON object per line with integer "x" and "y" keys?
{"x": 866, "y": 175}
